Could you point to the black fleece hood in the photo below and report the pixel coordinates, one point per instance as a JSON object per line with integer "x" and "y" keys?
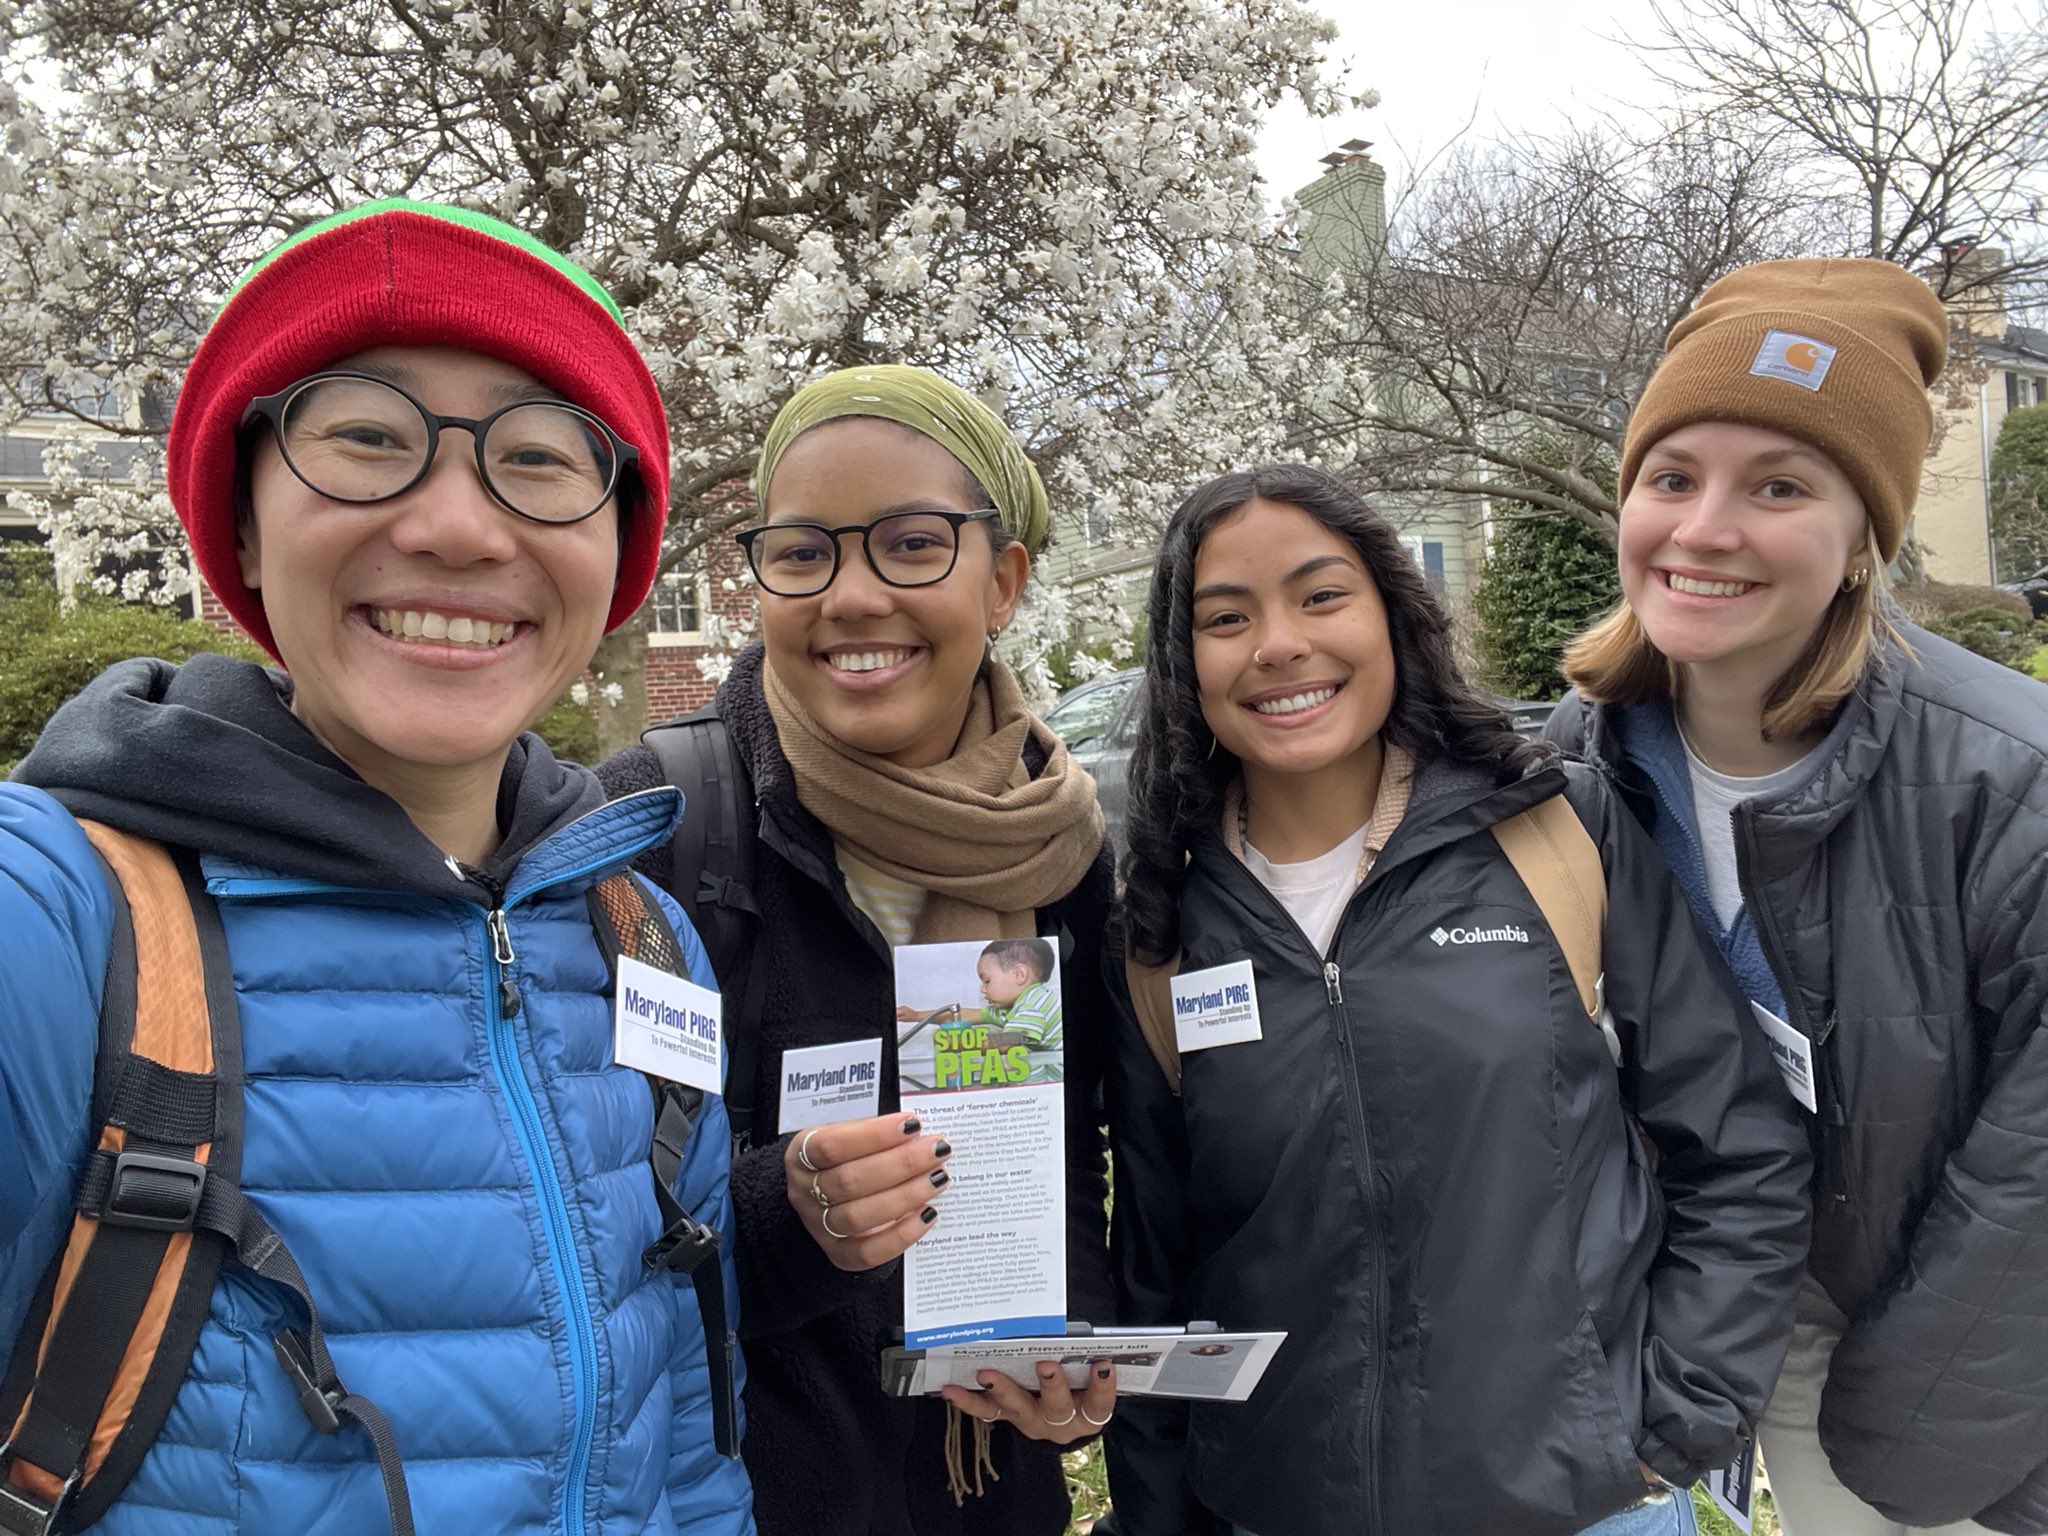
{"x": 209, "y": 756}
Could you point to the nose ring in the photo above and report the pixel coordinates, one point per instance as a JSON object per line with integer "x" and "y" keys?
{"x": 1258, "y": 658}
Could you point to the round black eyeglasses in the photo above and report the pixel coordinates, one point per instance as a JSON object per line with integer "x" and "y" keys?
{"x": 355, "y": 438}
{"x": 904, "y": 549}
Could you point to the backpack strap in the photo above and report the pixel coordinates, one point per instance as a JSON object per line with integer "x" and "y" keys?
{"x": 712, "y": 878}
{"x": 1558, "y": 861}
{"x": 629, "y": 922}
{"x": 159, "y": 1208}
{"x": 1152, "y": 1002}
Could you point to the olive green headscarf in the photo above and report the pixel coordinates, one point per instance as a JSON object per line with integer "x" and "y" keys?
{"x": 943, "y": 412}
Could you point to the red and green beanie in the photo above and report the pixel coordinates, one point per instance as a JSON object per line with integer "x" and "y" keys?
{"x": 401, "y": 273}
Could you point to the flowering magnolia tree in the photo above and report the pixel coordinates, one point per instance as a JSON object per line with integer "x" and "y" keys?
{"x": 1050, "y": 201}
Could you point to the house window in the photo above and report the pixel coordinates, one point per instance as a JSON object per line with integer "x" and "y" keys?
{"x": 678, "y": 603}
{"x": 1429, "y": 554}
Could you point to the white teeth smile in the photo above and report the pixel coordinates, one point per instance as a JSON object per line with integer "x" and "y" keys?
{"x": 865, "y": 661}
{"x": 1295, "y": 703}
{"x": 409, "y": 624}
{"x": 1680, "y": 583}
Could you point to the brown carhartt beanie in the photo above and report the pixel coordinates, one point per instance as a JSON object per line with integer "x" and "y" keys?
{"x": 1838, "y": 353}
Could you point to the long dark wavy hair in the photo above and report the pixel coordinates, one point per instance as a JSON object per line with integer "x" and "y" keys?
{"x": 1179, "y": 771}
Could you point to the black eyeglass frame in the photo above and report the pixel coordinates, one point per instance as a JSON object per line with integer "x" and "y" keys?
{"x": 271, "y": 410}
{"x": 746, "y": 537}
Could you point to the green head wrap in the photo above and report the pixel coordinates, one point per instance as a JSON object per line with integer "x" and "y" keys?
{"x": 943, "y": 412}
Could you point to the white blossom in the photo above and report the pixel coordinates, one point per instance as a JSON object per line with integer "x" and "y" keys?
{"x": 1058, "y": 210}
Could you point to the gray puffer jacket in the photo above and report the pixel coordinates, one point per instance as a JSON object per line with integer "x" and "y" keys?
{"x": 1901, "y": 894}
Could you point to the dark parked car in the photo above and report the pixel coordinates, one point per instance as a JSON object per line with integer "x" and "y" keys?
{"x": 2034, "y": 589}
{"x": 1099, "y": 723}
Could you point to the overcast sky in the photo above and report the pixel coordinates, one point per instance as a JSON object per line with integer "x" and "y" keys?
{"x": 1503, "y": 64}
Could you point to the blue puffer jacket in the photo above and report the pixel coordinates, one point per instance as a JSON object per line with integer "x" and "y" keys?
{"x": 468, "y": 1193}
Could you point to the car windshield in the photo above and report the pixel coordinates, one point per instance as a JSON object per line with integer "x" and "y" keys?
{"x": 1083, "y": 715}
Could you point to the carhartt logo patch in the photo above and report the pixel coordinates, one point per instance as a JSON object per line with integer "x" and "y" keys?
{"x": 1796, "y": 359}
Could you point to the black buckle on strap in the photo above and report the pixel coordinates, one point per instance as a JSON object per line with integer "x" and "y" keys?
{"x": 159, "y": 1194}
{"x": 322, "y": 1404}
{"x": 22, "y": 1513}
{"x": 682, "y": 1247}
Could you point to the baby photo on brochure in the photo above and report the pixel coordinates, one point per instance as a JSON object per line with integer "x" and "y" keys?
{"x": 978, "y": 1015}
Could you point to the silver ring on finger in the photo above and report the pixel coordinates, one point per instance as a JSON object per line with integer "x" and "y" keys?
{"x": 1098, "y": 1423}
{"x": 803, "y": 1152}
{"x": 1062, "y": 1423}
{"x": 819, "y": 1195}
{"x": 825, "y": 1221}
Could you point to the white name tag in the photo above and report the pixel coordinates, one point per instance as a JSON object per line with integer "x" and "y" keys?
{"x": 667, "y": 1026}
{"x": 1793, "y": 1053}
{"x": 1219, "y": 1006}
{"x": 824, "y": 1083}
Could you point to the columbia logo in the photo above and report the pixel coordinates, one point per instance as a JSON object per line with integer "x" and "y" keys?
{"x": 1505, "y": 935}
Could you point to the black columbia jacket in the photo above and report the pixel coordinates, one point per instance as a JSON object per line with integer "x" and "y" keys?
{"x": 1425, "y": 1173}
{"x": 1901, "y": 894}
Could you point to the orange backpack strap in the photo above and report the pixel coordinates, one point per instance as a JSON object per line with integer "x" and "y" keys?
{"x": 159, "y": 1208}
{"x": 1152, "y": 1002}
{"x": 114, "y": 1327}
{"x": 630, "y": 923}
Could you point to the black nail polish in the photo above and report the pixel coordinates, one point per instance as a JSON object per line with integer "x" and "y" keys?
{"x": 1047, "y": 1372}
{"x": 1102, "y": 1373}
{"x": 942, "y": 1149}
{"x": 912, "y": 1125}
{"x": 941, "y": 1178}
{"x": 929, "y": 1215}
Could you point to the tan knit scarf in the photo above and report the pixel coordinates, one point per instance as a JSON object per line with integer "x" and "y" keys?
{"x": 990, "y": 843}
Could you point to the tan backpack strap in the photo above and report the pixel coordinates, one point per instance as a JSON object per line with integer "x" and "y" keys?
{"x": 1560, "y": 864}
{"x": 1152, "y": 1002}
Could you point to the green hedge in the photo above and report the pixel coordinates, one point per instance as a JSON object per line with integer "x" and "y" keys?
{"x": 1546, "y": 579}
{"x": 1992, "y": 631}
{"x": 48, "y": 654}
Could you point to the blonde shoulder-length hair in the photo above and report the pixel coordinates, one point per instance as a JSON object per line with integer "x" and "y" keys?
{"x": 1615, "y": 662}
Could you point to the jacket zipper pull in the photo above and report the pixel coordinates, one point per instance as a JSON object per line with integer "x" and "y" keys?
{"x": 1332, "y": 982}
{"x": 501, "y": 951}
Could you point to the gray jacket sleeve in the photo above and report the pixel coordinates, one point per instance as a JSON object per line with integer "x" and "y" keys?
{"x": 1936, "y": 1407}
{"x": 1733, "y": 1162}
{"x": 1566, "y": 727}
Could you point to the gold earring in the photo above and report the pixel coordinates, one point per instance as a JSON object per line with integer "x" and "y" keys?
{"x": 994, "y": 635}
{"x": 1856, "y": 578}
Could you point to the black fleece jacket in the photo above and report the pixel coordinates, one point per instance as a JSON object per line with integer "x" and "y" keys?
{"x": 829, "y": 1454}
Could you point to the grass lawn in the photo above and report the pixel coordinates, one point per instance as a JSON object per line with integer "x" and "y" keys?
{"x": 2039, "y": 665}
{"x": 1090, "y": 1490}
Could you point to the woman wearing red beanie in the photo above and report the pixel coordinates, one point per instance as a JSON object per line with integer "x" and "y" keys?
{"x": 422, "y": 463}
{"x": 1858, "y": 812}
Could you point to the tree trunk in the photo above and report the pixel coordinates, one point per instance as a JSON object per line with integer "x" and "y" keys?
{"x": 621, "y": 663}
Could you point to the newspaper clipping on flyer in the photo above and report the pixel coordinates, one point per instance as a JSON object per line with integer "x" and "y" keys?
{"x": 979, "y": 1053}
{"x": 1218, "y": 1367}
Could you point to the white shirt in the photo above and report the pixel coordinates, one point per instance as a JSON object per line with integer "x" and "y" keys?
{"x": 1715, "y": 795}
{"x": 1315, "y": 891}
